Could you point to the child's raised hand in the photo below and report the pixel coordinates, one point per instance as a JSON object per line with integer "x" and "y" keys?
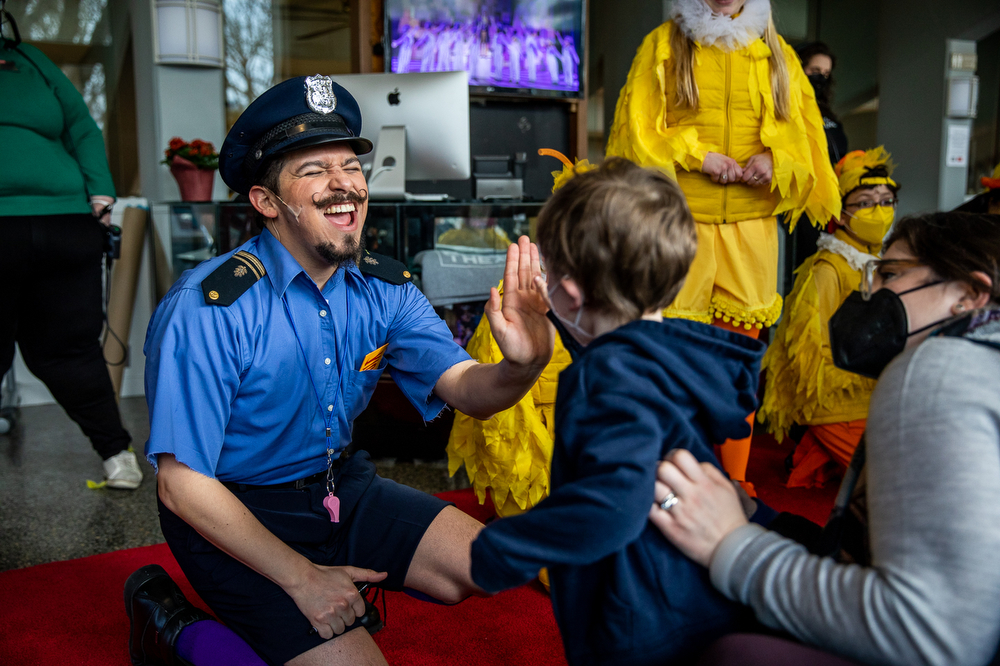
{"x": 518, "y": 321}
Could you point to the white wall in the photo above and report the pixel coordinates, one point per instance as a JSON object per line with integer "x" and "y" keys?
{"x": 172, "y": 100}
{"x": 912, "y": 63}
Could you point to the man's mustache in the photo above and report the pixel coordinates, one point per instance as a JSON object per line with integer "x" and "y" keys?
{"x": 334, "y": 199}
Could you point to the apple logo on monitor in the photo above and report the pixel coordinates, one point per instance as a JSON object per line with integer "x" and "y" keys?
{"x": 393, "y": 97}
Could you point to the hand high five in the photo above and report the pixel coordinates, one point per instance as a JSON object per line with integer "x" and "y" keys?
{"x": 518, "y": 320}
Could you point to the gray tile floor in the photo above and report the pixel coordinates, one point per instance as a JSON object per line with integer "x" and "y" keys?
{"x": 47, "y": 513}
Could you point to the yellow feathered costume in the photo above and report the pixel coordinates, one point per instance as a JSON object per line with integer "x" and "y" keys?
{"x": 734, "y": 274}
{"x": 511, "y": 453}
{"x": 803, "y": 386}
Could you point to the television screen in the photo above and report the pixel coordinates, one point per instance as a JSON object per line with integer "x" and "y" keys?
{"x": 514, "y": 46}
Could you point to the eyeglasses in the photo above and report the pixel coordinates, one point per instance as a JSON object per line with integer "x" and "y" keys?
{"x": 861, "y": 205}
{"x": 878, "y": 271}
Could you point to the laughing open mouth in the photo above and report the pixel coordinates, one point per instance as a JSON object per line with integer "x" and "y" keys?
{"x": 344, "y": 215}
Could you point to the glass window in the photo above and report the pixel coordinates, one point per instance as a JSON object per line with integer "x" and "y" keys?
{"x": 270, "y": 41}
{"x": 76, "y": 36}
{"x": 94, "y": 51}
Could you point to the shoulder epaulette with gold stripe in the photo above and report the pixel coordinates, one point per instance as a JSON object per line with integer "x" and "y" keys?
{"x": 232, "y": 279}
{"x": 384, "y": 268}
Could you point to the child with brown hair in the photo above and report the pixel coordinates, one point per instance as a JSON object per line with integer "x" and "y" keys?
{"x": 617, "y": 243}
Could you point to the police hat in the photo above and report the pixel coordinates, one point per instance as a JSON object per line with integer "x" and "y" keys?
{"x": 300, "y": 112}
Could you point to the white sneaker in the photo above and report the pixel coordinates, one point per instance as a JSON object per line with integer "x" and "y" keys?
{"x": 122, "y": 471}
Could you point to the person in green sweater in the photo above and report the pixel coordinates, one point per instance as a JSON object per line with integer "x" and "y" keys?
{"x": 55, "y": 200}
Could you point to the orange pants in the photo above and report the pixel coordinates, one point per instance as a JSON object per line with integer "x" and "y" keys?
{"x": 734, "y": 454}
{"x": 824, "y": 452}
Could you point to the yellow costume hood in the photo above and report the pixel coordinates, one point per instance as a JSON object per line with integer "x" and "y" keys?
{"x": 853, "y": 168}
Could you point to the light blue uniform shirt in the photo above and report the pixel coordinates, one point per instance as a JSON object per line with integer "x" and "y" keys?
{"x": 239, "y": 394}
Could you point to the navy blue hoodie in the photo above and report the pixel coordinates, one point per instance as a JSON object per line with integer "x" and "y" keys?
{"x": 621, "y": 593}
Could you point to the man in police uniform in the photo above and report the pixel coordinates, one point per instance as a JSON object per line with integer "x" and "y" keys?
{"x": 257, "y": 364}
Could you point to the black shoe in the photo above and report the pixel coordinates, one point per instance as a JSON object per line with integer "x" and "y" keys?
{"x": 157, "y": 612}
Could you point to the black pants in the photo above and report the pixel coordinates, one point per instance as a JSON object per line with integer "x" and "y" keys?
{"x": 50, "y": 304}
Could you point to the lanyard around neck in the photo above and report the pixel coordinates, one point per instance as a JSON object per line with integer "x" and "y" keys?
{"x": 341, "y": 362}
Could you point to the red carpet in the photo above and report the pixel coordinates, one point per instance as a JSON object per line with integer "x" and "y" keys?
{"x": 72, "y": 612}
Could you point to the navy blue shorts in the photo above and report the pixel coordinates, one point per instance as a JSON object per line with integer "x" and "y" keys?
{"x": 381, "y": 524}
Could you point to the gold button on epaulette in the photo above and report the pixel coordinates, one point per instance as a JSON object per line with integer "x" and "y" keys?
{"x": 384, "y": 268}
{"x": 232, "y": 279}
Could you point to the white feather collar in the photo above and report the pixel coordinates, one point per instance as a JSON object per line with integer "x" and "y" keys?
{"x": 856, "y": 259}
{"x": 698, "y": 22}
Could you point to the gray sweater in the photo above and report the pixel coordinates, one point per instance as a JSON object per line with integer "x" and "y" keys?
{"x": 932, "y": 594}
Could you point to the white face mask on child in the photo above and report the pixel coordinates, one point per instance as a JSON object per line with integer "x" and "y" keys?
{"x": 573, "y": 327}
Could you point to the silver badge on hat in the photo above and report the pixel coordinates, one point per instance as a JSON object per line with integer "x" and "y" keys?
{"x": 319, "y": 94}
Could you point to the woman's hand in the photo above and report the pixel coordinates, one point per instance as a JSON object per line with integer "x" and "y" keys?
{"x": 721, "y": 169}
{"x": 706, "y": 510}
{"x": 99, "y": 206}
{"x": 759, "y": 170}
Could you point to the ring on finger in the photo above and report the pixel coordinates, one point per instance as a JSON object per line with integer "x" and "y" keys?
{"x": 725, "y": 177}
{"x": 757, "y": 177}
{"x": 669, "y": 502}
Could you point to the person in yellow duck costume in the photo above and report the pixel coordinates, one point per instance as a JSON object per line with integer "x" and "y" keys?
{"x": 716, "y": 98}
{"x": 803, "y": 387}
{"x": 510, "y": 454}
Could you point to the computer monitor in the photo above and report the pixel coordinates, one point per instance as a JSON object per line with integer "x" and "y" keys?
{"x": 420, "y": 126}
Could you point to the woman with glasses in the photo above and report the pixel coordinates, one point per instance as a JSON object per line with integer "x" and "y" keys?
{"x": 912, "y": 575}
{"x": 803, "y": 389}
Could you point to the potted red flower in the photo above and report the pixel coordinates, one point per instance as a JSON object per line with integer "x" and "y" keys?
{"x": 193, "y": 166}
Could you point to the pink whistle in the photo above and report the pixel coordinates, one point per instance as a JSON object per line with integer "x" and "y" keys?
{"x": 332, "y": 504}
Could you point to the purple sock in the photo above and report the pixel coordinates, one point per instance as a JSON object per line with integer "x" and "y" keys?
{"x": 209, "y": 643}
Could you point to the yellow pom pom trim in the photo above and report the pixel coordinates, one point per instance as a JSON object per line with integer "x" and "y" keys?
{"x": 670, "y": 313}
{"x": 740, "y": 315}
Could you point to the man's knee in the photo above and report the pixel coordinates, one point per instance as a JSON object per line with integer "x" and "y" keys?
{"x": 441, "y": 566}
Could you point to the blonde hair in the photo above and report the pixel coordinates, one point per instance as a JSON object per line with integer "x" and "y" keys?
{"x": 686, "y": 95}
{"x": 621, "y": 232}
